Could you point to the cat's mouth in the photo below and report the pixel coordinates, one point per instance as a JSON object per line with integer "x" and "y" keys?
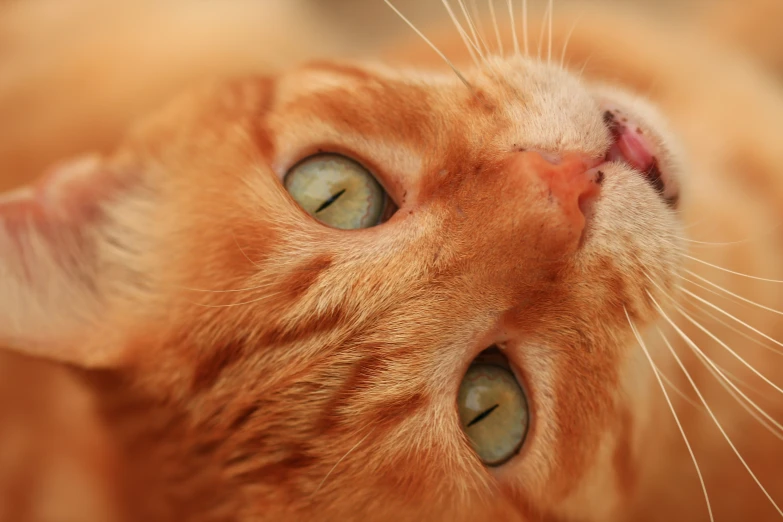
{"x": 632, "y": 145}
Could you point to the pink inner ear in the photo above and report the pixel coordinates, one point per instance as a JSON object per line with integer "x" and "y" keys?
{"x": 55, "y": 210}
{"x": 68, "y": 193}
{"x": 51, "y": 236}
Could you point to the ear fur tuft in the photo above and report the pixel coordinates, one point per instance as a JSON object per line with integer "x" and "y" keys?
{"x": 53, "y": 240}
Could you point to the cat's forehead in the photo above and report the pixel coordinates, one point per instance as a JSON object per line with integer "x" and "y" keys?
{"x": 406, "y": 114}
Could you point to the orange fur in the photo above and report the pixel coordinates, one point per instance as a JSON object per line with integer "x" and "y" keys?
{"x": 249, "y": 363}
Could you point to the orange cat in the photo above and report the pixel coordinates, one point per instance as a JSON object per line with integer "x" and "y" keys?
{"x": 407, "y": 290}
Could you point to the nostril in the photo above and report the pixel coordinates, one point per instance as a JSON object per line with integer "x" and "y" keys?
{"x": 586, "y": 199}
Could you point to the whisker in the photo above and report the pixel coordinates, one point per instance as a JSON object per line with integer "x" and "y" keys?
{"x": 584, "y": 66}
{"x": 475, "y": 52}
{"x": 713, "y": 292}
{"x": 739, "y": 381}
{"x": 723, "y": 370}
{"x": 770, "y": 423}
{"x": 339, "y": 461}
{"x": 469, "y": 20}
{"x": 701, "y": 309}
{"x": 694, "y": 224}
{"x": 676, "y": 389}
{"x": 743, "y": 323}
{"x": 565, "y": 45}
{"x": 674, "y": 412}
{"x": 725, "y": 243}
{"x": 744, "y": 299}
{"x": 709, "y": 410}
{"x": 432, "y": 45}
{"x": 514, "y": 28}
{"x": 478, "y": 20}
{"x": 550, "y": 9}
{"x": 542, "y": 31}
{"x": 495, "y": 25}
{"x": 728, "y": 348}
{"x": 524, "y": 25}
{"x": 472, "y": 20}
{"x": 722, "y": 269}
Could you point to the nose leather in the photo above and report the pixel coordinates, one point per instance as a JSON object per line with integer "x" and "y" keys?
{"x": 571, "y": 180}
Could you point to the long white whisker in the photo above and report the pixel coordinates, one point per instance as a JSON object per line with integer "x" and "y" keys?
{"x": 726, "y": 373}
{"x": 477, "y": 21}
{"x": 542, "y": 31}
{"x": 732, "y": 271}
{"x": 727, "y": 243}
{"x": 727, "y": 347}
{"x": 676, "y": 389}
{"x": 698, "y": 325}
{"x": 694, "y": 224}
{"x": 713, "y": 292}
{"x": 432, "y": 45}
{"x": 716, "y": 339}
{"x": 584, "y": 66}
{"x": 744, "y": 299}
{"x": 565, "y": 45}
{"x": 524, "y": 26}
{"x": 770, "y": 424}
{"x": 732, "y": 377}
{"x": 743, "y": 323}
{"x": 475, "y": 52}
{"x": 674, "y": 413}
{"x": 550, "y": 9}
{"x": 481, "y": 45}
{"x": 703, "y": 310}
{"x": 709, "y": 410}
{"x": 513, "y": 27}
{"x": 495, "y": 25}
{"x": 469, "y": 21}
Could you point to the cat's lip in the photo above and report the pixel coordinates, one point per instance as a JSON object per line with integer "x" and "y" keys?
{"x": 632, "y": 145}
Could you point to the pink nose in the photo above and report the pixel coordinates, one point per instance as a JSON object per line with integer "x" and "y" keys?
{"x": 572, "y": 180}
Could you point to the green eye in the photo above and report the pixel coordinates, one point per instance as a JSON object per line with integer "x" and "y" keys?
{"x": 493, "y": 411}
{"x": 337, "y": 191}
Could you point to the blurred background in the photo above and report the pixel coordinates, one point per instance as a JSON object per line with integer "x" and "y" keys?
{"x": 75, "y": 73}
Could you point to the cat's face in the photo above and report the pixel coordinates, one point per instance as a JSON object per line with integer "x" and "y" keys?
{"x": 324, "y": 365}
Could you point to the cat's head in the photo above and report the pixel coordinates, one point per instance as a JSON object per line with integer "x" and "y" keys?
{"x": 353, "y": 289}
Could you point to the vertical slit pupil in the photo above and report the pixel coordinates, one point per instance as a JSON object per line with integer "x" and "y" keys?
{"x": 483, "y": 415}
{"x": 329, "y": 201}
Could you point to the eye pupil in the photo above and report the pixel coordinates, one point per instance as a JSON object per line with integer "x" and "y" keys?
{"x": 329, "y": 201}
{"x": 483, "y": 415}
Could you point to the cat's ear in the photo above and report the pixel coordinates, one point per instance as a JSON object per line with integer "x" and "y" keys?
{"x": 58, "y": 261}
